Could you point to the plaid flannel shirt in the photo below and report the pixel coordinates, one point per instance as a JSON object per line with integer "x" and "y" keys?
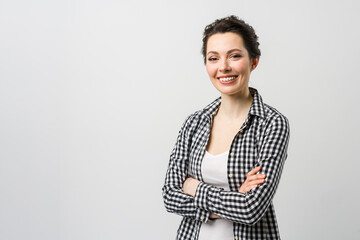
{"x": 262, "y": 140}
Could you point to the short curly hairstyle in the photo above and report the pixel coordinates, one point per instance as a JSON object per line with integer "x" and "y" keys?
{"x": 235, "y": 25}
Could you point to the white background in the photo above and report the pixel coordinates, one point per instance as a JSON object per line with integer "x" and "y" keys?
{"x": 93, "y": 94}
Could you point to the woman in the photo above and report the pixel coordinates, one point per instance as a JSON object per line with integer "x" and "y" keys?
{"x": 228, "y": 158}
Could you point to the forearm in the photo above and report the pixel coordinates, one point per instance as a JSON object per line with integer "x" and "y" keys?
{"x": 176, "y": 201}
{"x": 235, "y": 206}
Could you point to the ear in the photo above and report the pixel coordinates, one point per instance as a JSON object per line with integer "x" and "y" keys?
{"x": 254, "y": 63}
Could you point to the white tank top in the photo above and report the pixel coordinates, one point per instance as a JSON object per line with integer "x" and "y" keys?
{"x": 214, "y": 172}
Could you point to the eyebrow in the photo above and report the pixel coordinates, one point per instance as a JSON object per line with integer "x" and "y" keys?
{"x": 230, "y": 51}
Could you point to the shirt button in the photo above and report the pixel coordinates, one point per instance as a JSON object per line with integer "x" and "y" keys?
{"x": 202, "y": 218}
{"x": 232, "y": 154}
{"x": 230, "y": 175}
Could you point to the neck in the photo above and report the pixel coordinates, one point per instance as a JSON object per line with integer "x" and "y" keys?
{"x": 235, "y": 106}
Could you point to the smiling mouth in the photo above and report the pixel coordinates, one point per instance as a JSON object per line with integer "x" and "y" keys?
{"x": 227, "y": 79}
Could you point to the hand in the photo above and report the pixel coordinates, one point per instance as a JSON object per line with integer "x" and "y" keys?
{"x": 214, "y": 216}
{"x": 190, "y": 185}
{"x": 252, "y": 180}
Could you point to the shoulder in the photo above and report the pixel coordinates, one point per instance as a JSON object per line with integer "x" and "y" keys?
{"x": 192, "y": 118}
{"x": 190, "y": 125}
{"x": 266, "y": 114}
{"x": 275, "y": 119}
{"x": 274, "y": 114}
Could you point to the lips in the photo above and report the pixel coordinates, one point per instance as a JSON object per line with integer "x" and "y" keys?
{"x": 227, "y": 79}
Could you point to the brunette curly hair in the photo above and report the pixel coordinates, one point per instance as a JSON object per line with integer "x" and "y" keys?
{"x": 233, "y": 24}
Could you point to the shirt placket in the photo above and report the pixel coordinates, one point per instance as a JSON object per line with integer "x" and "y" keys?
{"x": 232, "y": 154}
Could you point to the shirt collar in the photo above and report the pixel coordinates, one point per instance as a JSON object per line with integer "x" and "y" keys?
{"x": 257, "y": 107}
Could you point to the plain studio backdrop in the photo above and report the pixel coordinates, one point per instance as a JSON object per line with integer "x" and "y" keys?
{"x": 93, "y": 94}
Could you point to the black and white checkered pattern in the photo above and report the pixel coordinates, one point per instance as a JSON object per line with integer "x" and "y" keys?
{"x": 261, "y": 140}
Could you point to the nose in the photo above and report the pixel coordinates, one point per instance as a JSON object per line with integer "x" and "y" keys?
{"x": 225, "y": 66}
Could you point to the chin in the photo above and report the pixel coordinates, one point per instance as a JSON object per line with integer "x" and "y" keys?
{"x": 232, "y": 91}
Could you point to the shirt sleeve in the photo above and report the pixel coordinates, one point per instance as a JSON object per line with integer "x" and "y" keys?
{"x": 175, "y": 200}
{"x": 250, "y": 207}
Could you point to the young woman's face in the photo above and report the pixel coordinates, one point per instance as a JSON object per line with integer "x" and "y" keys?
{"x": 228, "y": 63}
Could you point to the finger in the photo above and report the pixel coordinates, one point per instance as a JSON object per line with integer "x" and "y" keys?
{"x": 253, "y": 171}
{"x": 256, "y": 181}
{"x": 253, "y": 183}
{"x": 255, "y": 177}
{"x": 259, "y": 181}
{"x": 249, "y": 188}
{"x": 253, "y": 180}
{"x": 252, "y": 187}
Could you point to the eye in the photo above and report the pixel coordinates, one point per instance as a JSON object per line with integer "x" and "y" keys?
{"x": 236, "y": 56}
{"x": 211, "y": 59}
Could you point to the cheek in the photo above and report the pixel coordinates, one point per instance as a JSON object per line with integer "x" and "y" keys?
{"x": 242, "y": 66}
{"x": 211, "y": 70}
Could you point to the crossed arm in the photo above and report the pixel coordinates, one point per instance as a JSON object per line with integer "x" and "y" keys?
{"x": 252, "y": 181}
{"x": 192, "y": 198}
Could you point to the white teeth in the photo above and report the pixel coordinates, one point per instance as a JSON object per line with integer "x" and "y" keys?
{"x": 227, "y": 79}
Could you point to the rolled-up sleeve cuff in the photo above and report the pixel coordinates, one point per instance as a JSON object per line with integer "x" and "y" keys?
{"x": 205, "y": 196}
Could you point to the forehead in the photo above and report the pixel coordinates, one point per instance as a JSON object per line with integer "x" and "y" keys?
{"x": 222, "y": 42}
